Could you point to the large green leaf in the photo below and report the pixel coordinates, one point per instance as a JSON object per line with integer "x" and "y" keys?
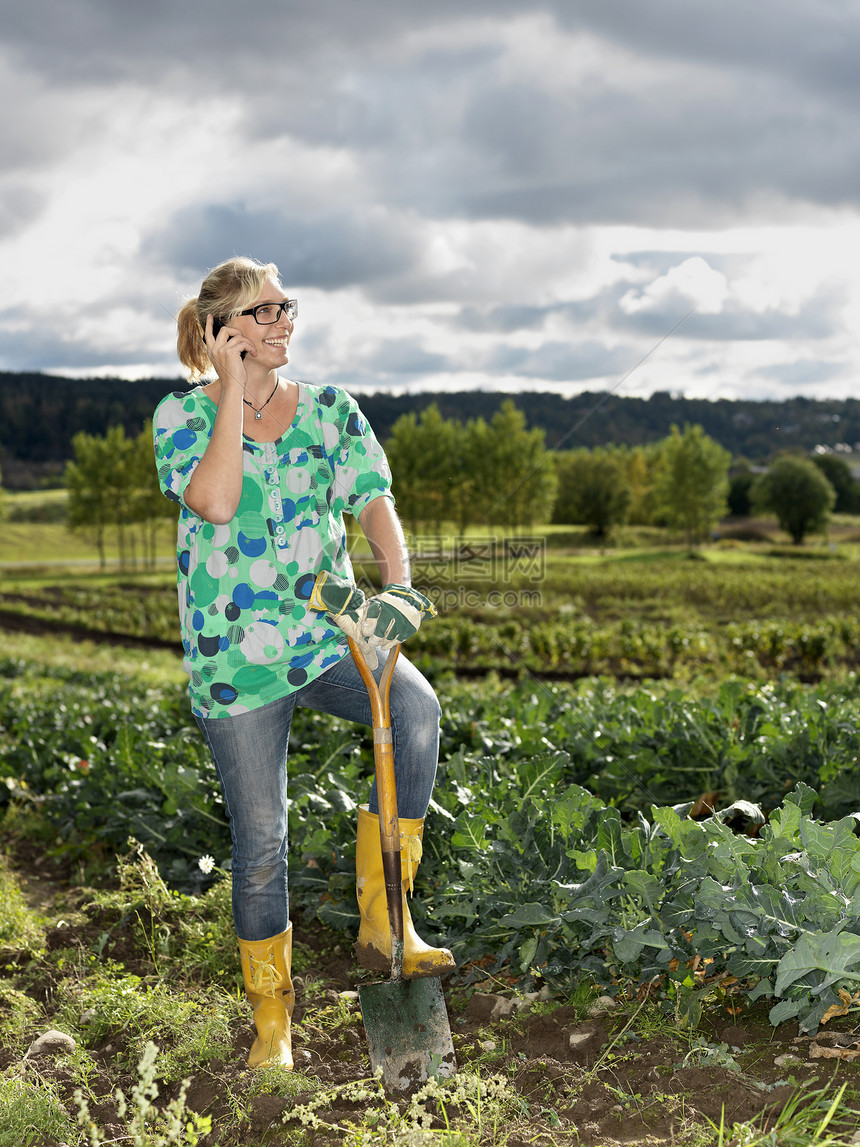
{"x": 628, "y": 943}
{"x": 529, "y": 916}
{"x": 469, "y": 832}
{"x": 541, "y": 774}
{"x": 835, "y": 954}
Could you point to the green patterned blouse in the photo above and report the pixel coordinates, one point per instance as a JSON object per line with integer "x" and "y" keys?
{"x": 243, "y": 587}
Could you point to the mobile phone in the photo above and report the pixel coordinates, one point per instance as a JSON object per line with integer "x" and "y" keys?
{"x": 216, "y": 327}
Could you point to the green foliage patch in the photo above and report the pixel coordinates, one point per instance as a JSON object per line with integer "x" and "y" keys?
{"x": 559, "y": 843}
{"x": 629, "y": 617}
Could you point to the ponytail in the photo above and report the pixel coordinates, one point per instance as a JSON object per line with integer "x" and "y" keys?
{"x": 189, "y": 341}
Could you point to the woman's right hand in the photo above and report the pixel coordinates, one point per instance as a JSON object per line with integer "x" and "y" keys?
{"x": 227, "y": 351}
{"x": 215, "y": 487}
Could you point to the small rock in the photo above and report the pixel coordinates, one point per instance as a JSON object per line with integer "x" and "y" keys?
{"x": 487, "y": 1007}
{"x": 787, "y": 1060}
{"x": 855, "y": 1139}
{"x": 348, "y": 996}
{"x": 51, "y": 1043}
{"x": 580, "y": 1039}
{"x": 525, "y": 1001}
{"x": 602, "y": 1005}
{"x": 301, "y": 1057}
{"x": 480, "y": 1005}
{"x": 488, "y": 1045}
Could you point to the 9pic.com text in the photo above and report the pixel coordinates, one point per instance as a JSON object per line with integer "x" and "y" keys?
{"x": 461, "y": 597}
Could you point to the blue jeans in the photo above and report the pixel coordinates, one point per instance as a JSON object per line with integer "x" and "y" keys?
{"x": 250, "y": 756}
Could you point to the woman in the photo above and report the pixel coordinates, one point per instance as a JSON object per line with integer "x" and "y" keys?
{"x": 263, "y": 469}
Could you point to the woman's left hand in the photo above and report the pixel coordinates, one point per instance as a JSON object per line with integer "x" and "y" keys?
{"x": 393, "y": 615}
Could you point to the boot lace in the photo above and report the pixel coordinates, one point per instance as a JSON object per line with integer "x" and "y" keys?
{"x": 414, "y": 851}
{"x": 265, "y": 969}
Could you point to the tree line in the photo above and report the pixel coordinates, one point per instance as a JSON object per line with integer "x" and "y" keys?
{"x": 40, "y": 414}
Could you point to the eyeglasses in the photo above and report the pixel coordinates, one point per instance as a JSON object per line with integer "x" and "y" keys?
{"x": 267, "y": 313}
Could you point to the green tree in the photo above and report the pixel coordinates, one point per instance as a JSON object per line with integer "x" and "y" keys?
{"x": 517, "y": 482}
{"x": 424, "y": 457}
{"x": 90, "y": 507}
{"x": 594, "y": 489}
{"x": 149, "y": 510}
{"x": 113, "y": 488}
{"x": 691, "y": 482}
{"x": 466, "y": 488}
{"x": 796, "y": 491}
{"x": 838, "y": 473}
{"x": 641, "y": 465}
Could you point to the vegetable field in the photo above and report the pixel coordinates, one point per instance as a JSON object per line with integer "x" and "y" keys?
{"x": 643, "y": 851}
{"x": 560, "y": 840}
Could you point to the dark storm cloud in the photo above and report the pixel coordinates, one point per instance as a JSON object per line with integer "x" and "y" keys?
{"x": 522, "y": 316}
{"x": 417, "y": 133}
{"x": 562, "y": 362}
{"x": 802, "y": 375}
{"x": 53, "y": 350}
{"x": 513, "y": 317}
{"x": 19, "y": 206}
{"x": 817, "y": 318}
{"x": 327, "y": 251}
{"x": 215, "y": 43}
{"x": 770, "y": 116}
{"x": 811, "y": 41}
{"x": 402, "y": 356}
{"x": 814, "y": 321}
{"x": 667, "y": 156}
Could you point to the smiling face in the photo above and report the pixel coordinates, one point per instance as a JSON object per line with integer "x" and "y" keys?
{"x": 270, "y": 342}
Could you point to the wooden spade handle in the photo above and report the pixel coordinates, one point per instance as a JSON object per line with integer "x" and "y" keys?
{"x": 386, "y": 791}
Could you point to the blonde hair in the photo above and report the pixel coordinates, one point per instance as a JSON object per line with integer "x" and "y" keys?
{"x": 232, "y": 286}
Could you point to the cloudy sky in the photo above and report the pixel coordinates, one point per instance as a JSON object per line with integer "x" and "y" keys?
{"x": 635, "y": 195}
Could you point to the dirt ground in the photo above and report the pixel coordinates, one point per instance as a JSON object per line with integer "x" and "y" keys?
{"x": 617, "y": 1076}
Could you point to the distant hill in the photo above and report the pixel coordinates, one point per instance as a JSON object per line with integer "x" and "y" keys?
{"x": 39, "y": 415}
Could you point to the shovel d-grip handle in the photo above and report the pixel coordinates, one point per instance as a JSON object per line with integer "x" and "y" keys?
{"x": 386, "y": 792}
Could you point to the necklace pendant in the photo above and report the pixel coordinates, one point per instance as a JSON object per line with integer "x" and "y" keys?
{"x": 258, "y": 415}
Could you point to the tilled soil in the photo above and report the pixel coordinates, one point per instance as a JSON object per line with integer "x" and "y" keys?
{"x": 619, "y": 1075}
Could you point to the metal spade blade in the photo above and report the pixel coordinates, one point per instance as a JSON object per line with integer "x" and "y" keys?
{"x": 408, "y": 1032}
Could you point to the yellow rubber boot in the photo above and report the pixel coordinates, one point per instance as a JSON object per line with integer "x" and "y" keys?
{"x": 266, "y": 966}
{"x": 373, "y": 949}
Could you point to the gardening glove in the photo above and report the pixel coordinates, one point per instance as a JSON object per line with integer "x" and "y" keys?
{"x": 334, "y": 595}
{"x": 387, "y": 618}
{"x": 342, "y": 601}
{"x": 393, "y": 615}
